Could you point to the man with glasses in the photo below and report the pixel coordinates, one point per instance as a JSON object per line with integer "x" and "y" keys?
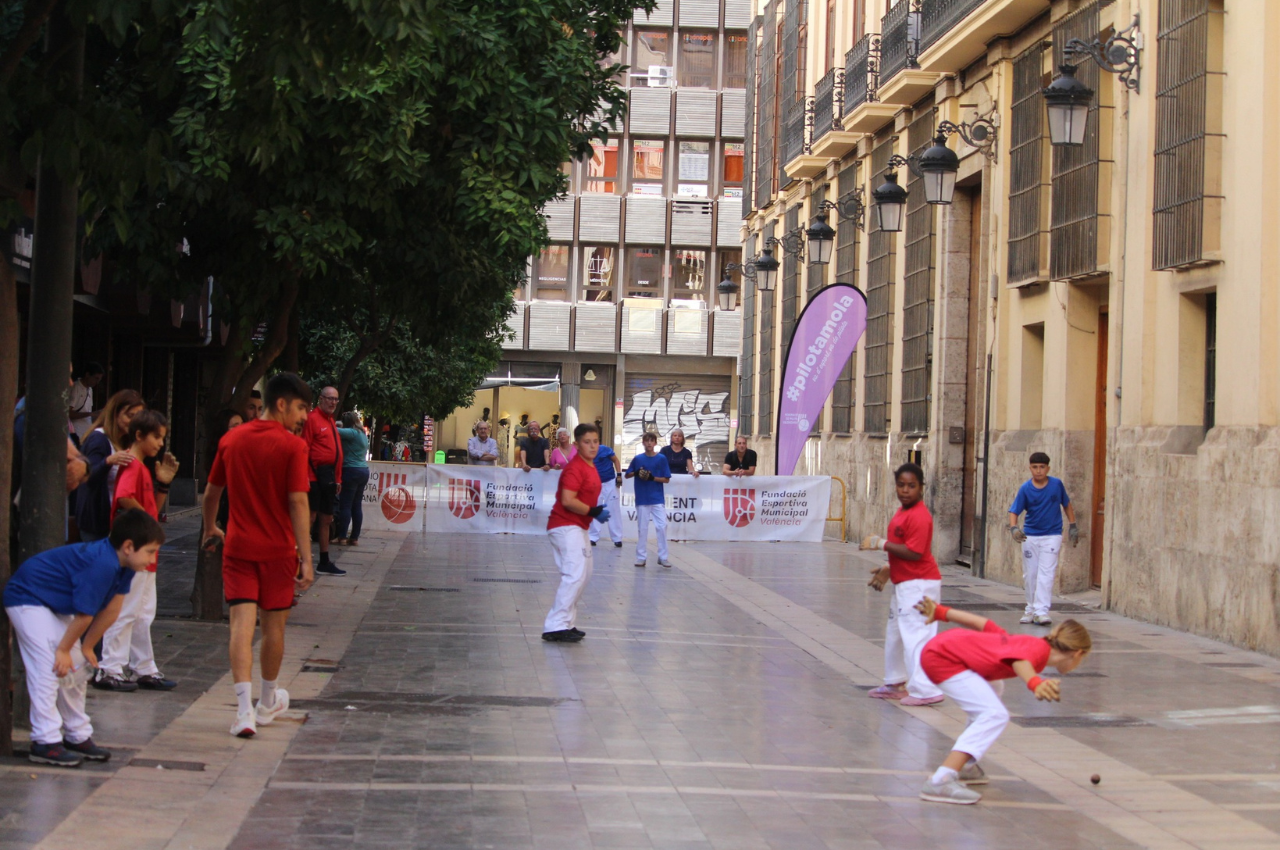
{"x": 324, "y": 454}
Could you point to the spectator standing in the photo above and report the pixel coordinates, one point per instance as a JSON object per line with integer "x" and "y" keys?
{"x": 482, "y": 450}
{"x": 650, "y": 471}
{"x": 81, "y": 409}
{"x": 533, "y": 449}
{"x": 564, "y": 450}
{"x": 609, "y": 467}
{"x": 324, "y": 453}
{"x": 741, "y": 461}
{"x": 253, "y": 410}
{"x": 355, "y": 477}
{"x": 679, "y": 459}
{"x": 103, "y": 448}
{"x": 265, "y": 469}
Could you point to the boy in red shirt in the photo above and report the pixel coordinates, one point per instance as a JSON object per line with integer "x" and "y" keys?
{"x": 571, "y": 515}
{"x": 266, "y": 554}
{"x": 128, "y": 641}
{"x": 915, "y": 575}
{"x": 971, "y": 669}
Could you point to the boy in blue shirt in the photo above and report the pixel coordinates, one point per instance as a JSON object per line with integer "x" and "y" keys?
{"x": 609, "y": 467}
{"x": 61, "y": 602}
{"x": 1044, "y": 499}
{"x": 651, "y": 471}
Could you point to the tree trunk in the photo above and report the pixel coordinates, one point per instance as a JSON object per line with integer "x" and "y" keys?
{"x": 8, "y": 390}
{"x": 290, "y": 363}
{"x": 206, "y": 591}
{"x": 368, "y": 345}
{"x": 272, "y": 346}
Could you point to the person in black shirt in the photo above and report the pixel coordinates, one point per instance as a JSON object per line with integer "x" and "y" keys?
{"x": 678, "y": 457}
{"x": 741, "y": 461}
{"x": 534, "y": 449}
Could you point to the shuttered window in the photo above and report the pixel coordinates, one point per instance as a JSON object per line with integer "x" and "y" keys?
{"x": 917, "y": 306}
{"x": 880, "y": 272}
{"x": 767, "y": 108}
{"x": 1026, "y": 169}
{"x": 792, "y": 86}
{"x": 747, "y": 366}
{"x": 749, "y": 152}
{"x": 846, "y": 272}
{"x": 765, "y": 421}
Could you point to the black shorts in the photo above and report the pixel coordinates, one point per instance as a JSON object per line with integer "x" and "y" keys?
{"x": 323, "y": 491}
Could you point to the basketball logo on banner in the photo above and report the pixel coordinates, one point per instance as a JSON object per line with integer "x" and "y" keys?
{"x": 397, "y": 502}
{"x": 464, "y": 498}
{"x": 739, "y": 506}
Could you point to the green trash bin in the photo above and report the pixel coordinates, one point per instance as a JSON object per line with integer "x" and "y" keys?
{"x": 440, "y": 456}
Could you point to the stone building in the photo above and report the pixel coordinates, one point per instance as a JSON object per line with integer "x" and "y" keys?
{"x": 1114, "y": 303}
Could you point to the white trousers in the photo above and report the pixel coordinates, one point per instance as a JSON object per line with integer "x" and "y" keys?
{"x": 980, "y": 700}
{"x": 609, "y": 498}
{"x": 57, "y": 711}
{"x": 128, "y": 641}
{"x": 570, "y": 548}
{"x": 905, "y": 635}
{"x": 645, "y": 513}
{"x": 1039, "y": 566}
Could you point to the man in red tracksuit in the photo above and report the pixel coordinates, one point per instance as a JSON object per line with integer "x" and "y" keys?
{"x": 324, "y": 454}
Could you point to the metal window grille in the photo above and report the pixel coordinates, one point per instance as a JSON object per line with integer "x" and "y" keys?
{"x": 917, "y": 306}
{"x": 791, "y": 261}
{"x": 824, "y": 104}
{"x": 765, "y": 418}
{"x": 749, "y": 123}
{"x": 861, "y": 77}
{"x": 880, "y": 272}
{"x": 1181, "y": 111}
{"x": 846, "y": 272}
{"x": 816, "y": 272}
{"x": 746, "y": 371}
{"x": 792, "y": 87}
{"x": 767, "y": 108}
{"x": 1026, "y": 167}
{"x": 1210, "y": 357}
{"x": 895, "y": 46}
{"x": 1073, "y": 233}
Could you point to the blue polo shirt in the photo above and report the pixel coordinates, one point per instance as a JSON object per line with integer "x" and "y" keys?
{"x": 649, "y": 492}
{"x": 77, "y": 579}
{"x": 1043, "y": 506}
{"x": 604, "y": 464}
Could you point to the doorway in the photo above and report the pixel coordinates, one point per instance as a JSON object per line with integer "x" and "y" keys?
{"x": 1099, "y": 501}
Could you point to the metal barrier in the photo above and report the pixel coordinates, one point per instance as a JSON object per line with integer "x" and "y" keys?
{"x": 844, "y": 499}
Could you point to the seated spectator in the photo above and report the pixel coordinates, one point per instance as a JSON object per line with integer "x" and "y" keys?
{"x": 482, "y": 450}
{"x": 679, "y": 459}
{"x": 741, "y": 461}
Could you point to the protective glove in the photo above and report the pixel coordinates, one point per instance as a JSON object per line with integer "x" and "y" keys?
{"x": 644, "y": 474}
{"x": 872, "y": 541}
{"x": 1074, "y": 534}
{"x": 1018, "y": 535}
{"x": 602, "y": 517}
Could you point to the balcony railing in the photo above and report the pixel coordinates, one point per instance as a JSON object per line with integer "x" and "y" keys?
{"x": 939, "y": 16}
{"x": 794, "y": 136}
{"x": 824, "y": 104}
{"x": 861, "y": 73}
{"x": 899, "y": 42}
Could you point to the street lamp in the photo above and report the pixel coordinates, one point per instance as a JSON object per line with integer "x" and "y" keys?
{"x": 938, "y": 167}
{"x": 762, "y": 271}
{"x": 766, "y": 266}
{"x": 1067, "y": 100}
{"x": 891, "y": 200}
{"x": 822, "y": 238}
{"x": 727, "y": 292}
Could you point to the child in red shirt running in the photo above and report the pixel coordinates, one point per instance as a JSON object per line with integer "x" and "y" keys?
{"x": 915, "y": 575}
{"x": 263, "y": 466}
{"x": 574, "y": 509}
{"x": 970, "y": 667}
{"x": 128, "y": 641}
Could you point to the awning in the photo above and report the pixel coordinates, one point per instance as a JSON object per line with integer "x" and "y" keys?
{"x": 551, "y": 385}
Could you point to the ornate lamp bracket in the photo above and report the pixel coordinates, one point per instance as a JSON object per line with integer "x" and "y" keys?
{"x": 1119, "y": 54}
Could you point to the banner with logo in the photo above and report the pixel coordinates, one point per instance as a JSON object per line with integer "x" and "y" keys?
{"x": 824, "y": 339}
{"x": 489, "y": 500}
{"x": 394, "y": 497}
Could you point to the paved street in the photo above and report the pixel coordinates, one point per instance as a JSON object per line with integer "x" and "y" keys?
{"x": 718, "y": 704}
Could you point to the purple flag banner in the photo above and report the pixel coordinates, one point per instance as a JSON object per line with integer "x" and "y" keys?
{"x": 824, "y": 339}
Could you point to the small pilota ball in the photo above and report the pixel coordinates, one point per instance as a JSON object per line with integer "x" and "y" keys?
{"x": 1095, "y": 779}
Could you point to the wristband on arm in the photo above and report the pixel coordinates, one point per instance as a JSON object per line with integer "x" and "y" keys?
{"x": 1033, "y": 683}
{"x": 940, "y": 612}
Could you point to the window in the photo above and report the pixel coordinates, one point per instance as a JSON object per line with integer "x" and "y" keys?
{"x": 846, "y": 272}
{"x": 1026, "y": 155}
{"x": 602, "y": 169}
{"x": 735, "y": 61}
{"x": 731, "y": 171}
{"x": 551, "y": 281}
{"x": 880, "y": 273}
{"x": 1032, "y": 377}
{"x": 859, "y": 20}
{"x": 644, "y": 273}
{"x": 790, "y": 286}
{"x": 689, "y": 271}
{"x": 764, "y": 422}
{"x": 1074, "y": 225}
{"x": 653, "y": 52}
{"x": 646, "y": 166}
{"x": 1210, "y": 357}
{"x": 599, "y": 272}
{"x": 694, "y": 168}
{"x": 831, "y": 36}
{"x": 746, "y": 381}
{"x": 917, "y": 306}
{"x": 766, "y": 108}
{"x": 697, "y": 60}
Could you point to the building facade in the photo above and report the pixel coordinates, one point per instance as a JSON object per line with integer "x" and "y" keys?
{"x": 620, "y": 312}
{"x": 1114, "y": 304}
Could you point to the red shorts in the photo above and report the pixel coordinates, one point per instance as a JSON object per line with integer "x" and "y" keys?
{"x": 268, "y": 584}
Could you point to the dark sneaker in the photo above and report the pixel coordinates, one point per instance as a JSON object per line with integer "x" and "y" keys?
{"x": 577, "y": 631}
{"x": 156, "y": 683}
{"x": 618, "y": 545}
{"x": 330, "y": 569}
{"x": 593, "y": 543}
{"x": 562, "y": 636}
{"x": 114, "y": 683}
{"x": 87, "y": 749}
{"x": 54, "y": 754}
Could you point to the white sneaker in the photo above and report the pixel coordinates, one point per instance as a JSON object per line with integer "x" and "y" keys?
{"x": 1042, "y": 620}
{"x": 949, "y": 792}
{"x": 973, "y": 774}
{"x": 640, "y": 563}
{"x": 244, "y": 726}
{"x": 1026, "y": 619}
{"x": 266, "y": 715}
{"x": 663, "y": 563}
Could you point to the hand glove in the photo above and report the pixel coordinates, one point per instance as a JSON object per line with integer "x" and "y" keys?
{"x": 595, "y": 511}
{"x": 1074, "y": 534}
{"x": 602, "y": 517}
{"x": 872, "y": 541}
{"x": 619, "y": 481}
{"x": 1018, "y": 535}
{"x": 644, "y": 474}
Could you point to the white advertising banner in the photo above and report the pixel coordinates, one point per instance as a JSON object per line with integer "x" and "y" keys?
{"x": 394, "y": 497}
{"x": 488, "y": 500}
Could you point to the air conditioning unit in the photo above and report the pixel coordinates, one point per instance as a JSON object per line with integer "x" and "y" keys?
{"x": 661, "y": 76}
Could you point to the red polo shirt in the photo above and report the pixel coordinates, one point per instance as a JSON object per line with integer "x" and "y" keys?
{"x": 260, "y": 464}
{"x": 323, "y": 446}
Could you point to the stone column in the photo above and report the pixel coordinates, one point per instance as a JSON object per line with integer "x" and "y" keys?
{"x": 569, "y": 396}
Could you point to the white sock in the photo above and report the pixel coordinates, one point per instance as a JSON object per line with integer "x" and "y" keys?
{"x": 268, "y": 698}
{"x": 244, "y": 696}
{"x": 943, "y": 775}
